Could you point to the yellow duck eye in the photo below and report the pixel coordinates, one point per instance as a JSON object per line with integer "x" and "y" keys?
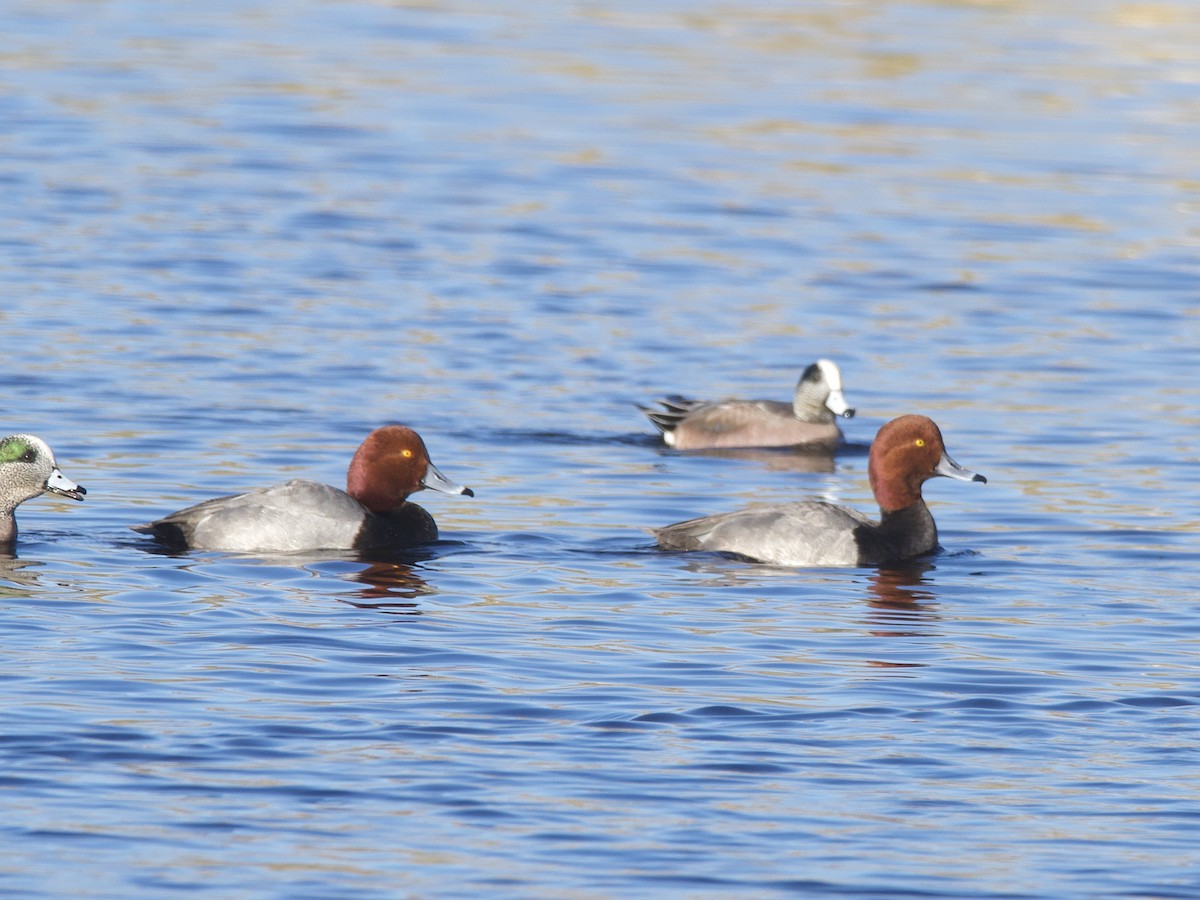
{"x": 920, "y": 442}
{"x": 407, "y": 454}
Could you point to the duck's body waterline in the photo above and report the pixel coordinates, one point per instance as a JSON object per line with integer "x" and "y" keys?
{"x": 907, "y": 452}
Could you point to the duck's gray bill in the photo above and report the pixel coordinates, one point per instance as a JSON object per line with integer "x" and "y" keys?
{"x": 948, "y": 467}
{"x": 436, "y": 481}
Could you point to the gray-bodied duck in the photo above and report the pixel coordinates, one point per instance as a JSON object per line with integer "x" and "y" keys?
{"x": 374, "y": 511}
{"x": 907, "y": 452}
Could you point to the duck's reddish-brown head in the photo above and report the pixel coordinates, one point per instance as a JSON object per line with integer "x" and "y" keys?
{"x": 391, "y": 464}
{"x": 907, "y": 452}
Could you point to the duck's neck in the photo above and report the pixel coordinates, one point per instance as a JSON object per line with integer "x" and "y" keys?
{"x": 901, "y": 534}
{"x": 403, "y": 527}
{"x": 8, "y": 527}
{"x": 808, "y": 404}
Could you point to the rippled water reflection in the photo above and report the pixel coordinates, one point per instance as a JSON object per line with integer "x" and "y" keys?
{"x": 238, "y": 238}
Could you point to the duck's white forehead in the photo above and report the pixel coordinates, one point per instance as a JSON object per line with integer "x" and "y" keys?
{"x": 831, "y": 373}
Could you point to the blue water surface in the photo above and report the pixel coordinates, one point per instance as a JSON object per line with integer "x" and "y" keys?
{"x": 239, "y": 236}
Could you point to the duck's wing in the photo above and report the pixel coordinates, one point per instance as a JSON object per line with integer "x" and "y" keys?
{"x": 741, "y": 423}
{"x": 295, "y": 515}
{"x": 697, "y": 424}
{"x": 795, "y": 534}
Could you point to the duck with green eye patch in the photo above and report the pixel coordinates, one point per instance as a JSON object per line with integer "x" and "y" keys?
{"x": 27, "y": 470}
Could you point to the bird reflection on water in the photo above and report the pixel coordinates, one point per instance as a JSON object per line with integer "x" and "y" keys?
{"x": 901, "y": 607}
{"x": 901, "y": 587}
{"x": 776, "y": 460}
{"x": 390, "y": 587}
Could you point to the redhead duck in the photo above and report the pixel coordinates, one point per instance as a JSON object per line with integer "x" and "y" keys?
{"x": 809, "y": 420}
{"x": 372, "y": 512}
{"x": 28, "y": 470}
{"x": 907, "y": 452}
